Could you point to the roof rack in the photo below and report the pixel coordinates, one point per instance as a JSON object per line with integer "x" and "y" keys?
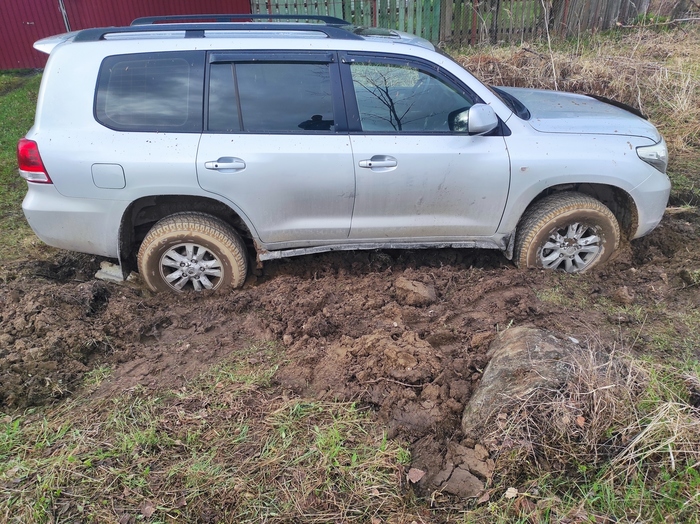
{"x": 149, "y": 20}
{"x": 197, "y": 30}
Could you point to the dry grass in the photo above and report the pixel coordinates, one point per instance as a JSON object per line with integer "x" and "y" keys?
{"x": 553, "y": 429}
{"x": 620, "y": 427}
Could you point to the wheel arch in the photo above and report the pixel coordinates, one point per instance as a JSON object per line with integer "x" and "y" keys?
{"x": 140, "y": 216}
{"x": 619, "y": 201}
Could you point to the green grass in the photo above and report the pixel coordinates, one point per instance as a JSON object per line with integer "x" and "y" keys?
{"x": 18, "y": 93}
{"x": 219, "y": 447}
{"x": 96, "y": 376}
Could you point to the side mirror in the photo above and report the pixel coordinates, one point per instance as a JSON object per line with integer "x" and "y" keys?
{"x": 482, "y": 119}
{"x": 479, "y": 119}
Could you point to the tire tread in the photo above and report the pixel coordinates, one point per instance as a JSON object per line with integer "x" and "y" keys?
{"x": 204, "y": 224}
{"x": 549, "y": 208}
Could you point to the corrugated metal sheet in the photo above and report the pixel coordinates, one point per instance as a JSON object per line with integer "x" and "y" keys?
{"x": 99, "y": 13}
{"x": 23, "y": 22}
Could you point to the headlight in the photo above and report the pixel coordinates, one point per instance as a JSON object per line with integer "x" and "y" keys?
{"x": 656, "y": 155}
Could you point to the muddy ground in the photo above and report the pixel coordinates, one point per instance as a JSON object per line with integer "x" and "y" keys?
{"x": 404, "y": 332}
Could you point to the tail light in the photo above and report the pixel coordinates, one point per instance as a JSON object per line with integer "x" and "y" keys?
{"x": 31, "y": 166}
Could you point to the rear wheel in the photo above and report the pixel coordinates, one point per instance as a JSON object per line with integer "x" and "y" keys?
{"x": 192, "y": 252}
{"x": 572, "y": 232}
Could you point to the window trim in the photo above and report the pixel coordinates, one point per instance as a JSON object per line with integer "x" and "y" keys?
{"x": 195, "y": 117}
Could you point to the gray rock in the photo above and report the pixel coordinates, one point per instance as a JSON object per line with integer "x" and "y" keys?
{"x": 521, "y": 360}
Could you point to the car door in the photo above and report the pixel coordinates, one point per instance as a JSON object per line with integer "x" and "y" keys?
{"x": 415, "y": 177}
{"x": 276, "y": 144}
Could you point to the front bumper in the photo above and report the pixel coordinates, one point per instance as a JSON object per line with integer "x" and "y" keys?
{"x": 651, "y": 197}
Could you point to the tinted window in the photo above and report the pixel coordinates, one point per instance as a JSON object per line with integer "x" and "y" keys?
{"x": 274, "y": 97}
{"x": 393, "y": 98}
{"x": 151, "y": 92}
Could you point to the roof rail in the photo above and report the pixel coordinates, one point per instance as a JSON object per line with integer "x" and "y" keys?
{"x": 198, "y": 30}
{"x": 149, "y": 20}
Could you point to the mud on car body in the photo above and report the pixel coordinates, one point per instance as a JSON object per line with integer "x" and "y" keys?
{"x": 191, "y": 147}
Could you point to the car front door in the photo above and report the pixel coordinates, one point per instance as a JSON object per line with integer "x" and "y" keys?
{"x": 276, "y": 144}
{"x": 417, "y": 178}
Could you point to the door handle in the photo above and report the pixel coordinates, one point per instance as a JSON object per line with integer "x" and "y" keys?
{"x": 379, "y": 161}
{"x": 225, "y": 162}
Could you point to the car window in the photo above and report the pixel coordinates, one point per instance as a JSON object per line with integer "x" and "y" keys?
{"x": 397, "y": 98}
{"x": 151, "y": 92}
{"x": 272, "y": 97}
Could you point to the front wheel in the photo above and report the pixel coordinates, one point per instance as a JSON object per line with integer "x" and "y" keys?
{"x": 566, "y": 231}
{"x": 192, "y": 252}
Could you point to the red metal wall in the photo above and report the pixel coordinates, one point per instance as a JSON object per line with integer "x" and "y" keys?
{"x": 23, "y": 22}
{"x": 100, "y": 13}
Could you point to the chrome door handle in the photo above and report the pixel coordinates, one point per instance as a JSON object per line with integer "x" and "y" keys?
{"x": 379, "y": 161}
{"x": 225, "y": 162}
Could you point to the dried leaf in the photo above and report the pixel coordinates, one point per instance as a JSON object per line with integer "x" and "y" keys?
{"x": 511, "y": 493}
{"x": 181, "y": 502}
{"x": 415, "y": 475}
{"x": 484, "y": 498}
{"x": 147, "y": 509}
{"x": 524, "y": 505}
{"x": 580, "y": 421}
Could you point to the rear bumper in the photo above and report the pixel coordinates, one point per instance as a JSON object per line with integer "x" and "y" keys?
{"x": 76, "y": 224}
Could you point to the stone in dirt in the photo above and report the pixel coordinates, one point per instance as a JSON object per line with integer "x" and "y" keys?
{"x": 463, "y": 471}
{"x": 623, "y": 296}
{"x": 412, "y": 293}
{"x": 463, "y": 484}
{"x": 521, "y": 360}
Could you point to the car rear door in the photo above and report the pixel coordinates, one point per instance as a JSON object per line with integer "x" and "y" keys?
{"x": 276, "y": 143}
{"x": 417, "y": 179}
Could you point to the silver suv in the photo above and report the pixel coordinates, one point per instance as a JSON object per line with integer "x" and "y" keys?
{"x": 193, "y": 147}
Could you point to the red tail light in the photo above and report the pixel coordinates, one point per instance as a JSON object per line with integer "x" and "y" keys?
{"x": 31, "y": 167}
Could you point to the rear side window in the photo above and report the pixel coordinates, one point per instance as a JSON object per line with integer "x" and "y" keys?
{"x": 271, "y": 97}
{"x": 157, "y": 92}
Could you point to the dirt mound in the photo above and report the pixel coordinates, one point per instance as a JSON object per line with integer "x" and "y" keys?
{"x": 416, "y": 364}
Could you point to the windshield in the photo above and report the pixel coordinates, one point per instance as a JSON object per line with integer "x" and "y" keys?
{"x": 513, "y": 103}
{"x": 509, "y": 100}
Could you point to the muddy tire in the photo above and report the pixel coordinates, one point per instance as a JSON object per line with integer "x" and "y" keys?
{"x": 192, "y": 252}
{"x": 572, "y": 232}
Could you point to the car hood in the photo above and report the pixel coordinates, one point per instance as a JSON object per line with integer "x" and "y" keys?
{"x": 556, "y": 112}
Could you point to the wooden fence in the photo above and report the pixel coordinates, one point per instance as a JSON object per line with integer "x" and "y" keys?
{"x": 460, "y": 22}
{"x": 412, "y": 16}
